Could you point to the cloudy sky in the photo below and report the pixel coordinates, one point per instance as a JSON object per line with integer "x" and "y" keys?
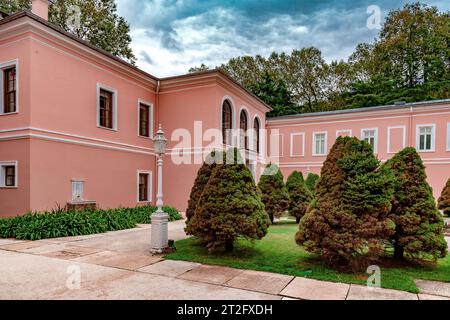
{"x": 170, "y": 36}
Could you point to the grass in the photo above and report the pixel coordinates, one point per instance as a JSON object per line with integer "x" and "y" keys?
{"x": 279, "y": 253}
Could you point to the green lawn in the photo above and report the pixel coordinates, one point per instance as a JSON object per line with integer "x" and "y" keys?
{"x": 278, "y": 252}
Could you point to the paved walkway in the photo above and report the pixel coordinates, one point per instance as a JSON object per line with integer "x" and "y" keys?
{"x": 117, "y": 265}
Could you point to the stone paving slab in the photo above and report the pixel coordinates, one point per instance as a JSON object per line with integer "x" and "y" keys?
{"x": 310, "y": 289}
{"x": 9, "y": 241}
{"x": 71, "y": 252}
{"x": 211, "y": 274}
{"x": 33, "y": 277}
{"x": 170, "y": 268}
{"x": 434, "y": 287}
{"x": 423, "y": 296}
{"x": 266, "y": 282}
{"x": 358, "y": 292}
{"x": 119, "y": 260}
{"x": 23, "y": 245}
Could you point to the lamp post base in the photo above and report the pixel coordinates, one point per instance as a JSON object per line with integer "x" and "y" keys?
{"x": 159, "y": 230}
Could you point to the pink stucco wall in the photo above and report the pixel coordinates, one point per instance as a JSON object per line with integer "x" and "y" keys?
{"x": 391, "y": 124}
{"x": 54, "y": 137}
{"x": 200, "y": 103}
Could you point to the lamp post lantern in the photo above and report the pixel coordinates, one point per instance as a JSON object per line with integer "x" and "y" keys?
{"x": 160, "y": 219}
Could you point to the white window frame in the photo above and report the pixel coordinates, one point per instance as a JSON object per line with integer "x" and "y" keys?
{"x": 150, "y": 186}
{"x": 448, "y": 136}
{"x": 5, "y": 65}
{"x": 2, "y": 174}
{"x": 349, "y": 131}
{"x": 314, "y": 144}
{"x": 281, "y": 154}
{"x": 233, "y": 121}
{"x": 296, "y": 134}
{"x": 114, "y": 91}
{"x": 258, "y": 134}
{"x": 375, "y": 147}
{"x": 389, "y": 138}
{"x": 83, "y": 182}
{"x": 433, "y": 137}
{"x": 150, "y": 105}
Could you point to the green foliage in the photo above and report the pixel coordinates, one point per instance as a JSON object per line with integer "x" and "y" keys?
{"x": 61, "y": 223}
{"x": 230, "y": 206}
{"x": 419, "y": 232}
{"x": 348, "y": 220}
{"x": 203, "y": 67}
{"x": 311, "y": 181}
{"x": 278, "y": 253}
{"x": 300, "y": 196}
{"x": 444, "y": 199}
{"x": 275, "y": 196}
{"x": 276, "y": 94}
{"x": 203, "y": 175}
{"x": 99, "y": 23}
{"x": 11, "y": 6}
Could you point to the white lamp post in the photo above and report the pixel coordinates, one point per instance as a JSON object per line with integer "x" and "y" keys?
{"x": 160, "y": 219}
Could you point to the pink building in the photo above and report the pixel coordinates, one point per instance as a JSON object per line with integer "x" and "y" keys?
{"x": 76, "y": 125}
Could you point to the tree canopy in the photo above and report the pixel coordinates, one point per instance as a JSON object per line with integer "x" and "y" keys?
{"x": 95, "y": 21}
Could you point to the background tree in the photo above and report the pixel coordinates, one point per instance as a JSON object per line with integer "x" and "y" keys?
{"x": 99, "y": 23}
{"x": 311, "y": 181}
{"x": 230, "y": 206}
{"x": 274, "y": 193}
{"x": 300, "y": 196}
{"x": 201, "y": 68}
{"x": 444, "y": 199}
{"x": 276, "y": 94}
{"x": 12, "y": 6}
{"x": 348, "y": 220}
{"x": 419, "y": 231}
{"x": 203, "y": 175}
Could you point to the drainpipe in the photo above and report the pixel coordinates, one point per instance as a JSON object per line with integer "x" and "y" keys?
{"x": 410, "y": 137}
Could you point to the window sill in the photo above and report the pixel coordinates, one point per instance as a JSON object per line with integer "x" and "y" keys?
{"x": 4, "y": 187}
{"x": 106, "y": 128}
{"x": 426, "y": 151}
{"x": 9, "y": 113}
{"x": 319, "y": 155}
{"x": 144, "y": 137}
{"x": 145, "y": 202}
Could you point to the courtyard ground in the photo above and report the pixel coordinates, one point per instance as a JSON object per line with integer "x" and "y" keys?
{"x": 117, "y": 265}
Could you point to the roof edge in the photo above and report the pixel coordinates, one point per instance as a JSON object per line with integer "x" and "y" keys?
{"x": 36, "y": 18}
{"x": 365, "y": 109}
{"x": 222, "y": 73}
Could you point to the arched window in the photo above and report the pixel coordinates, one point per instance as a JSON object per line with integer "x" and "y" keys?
{"x": 256, "y": 127}
{"x": 227, "y": 122}
{"x": 243, "y": 125}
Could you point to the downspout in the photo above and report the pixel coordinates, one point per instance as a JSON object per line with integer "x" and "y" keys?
{"x": 410, "y": 138}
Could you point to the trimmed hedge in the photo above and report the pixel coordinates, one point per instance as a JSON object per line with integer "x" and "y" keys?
{"x": 61, "y": 223}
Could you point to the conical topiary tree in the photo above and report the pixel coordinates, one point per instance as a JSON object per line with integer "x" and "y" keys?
{"x": 274, "y": 193}
{"x": 444, "y": 199}
{"x": 300, "y": 196}
{"x": 230, "y": 206}
{"x": 419, "y": 227}
{"x": 311, "y": 181}
{"x": 348, "y": 220}
{"x": 203, "y": 175}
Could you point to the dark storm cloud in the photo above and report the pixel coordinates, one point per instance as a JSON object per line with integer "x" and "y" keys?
{"x": 213, "y": 31}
